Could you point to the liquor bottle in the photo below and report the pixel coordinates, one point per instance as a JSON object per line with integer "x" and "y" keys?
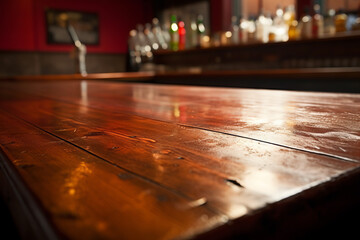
{"x": 193, "y": 33}
{"x": 260, "y": 21}
{"x": 166, "y": 34}
{"x": 235, "y": 30}
{"x": 144, "y": 48}
{"x": 200, "y": 30}
{"x": 174, "y": 33}
{"x": 134, "y": 55}
{"x": 263, "y": 25}
{"x": 244, "y": 29}
{"x": 356, "y": 24}
{"x": 340, "y": 22}
{"x": 306, "y": 29}
{"x": 318, "y": 23}
{"x": 150, "y": 37}
{"x": 289, "y": 15}
{"x": 330, "y": 23}
{"x": 182, "y": 35}
{"x": 280, "y": 28}
{"x": 293, "y": 32}
{"x": 156, "y": 29}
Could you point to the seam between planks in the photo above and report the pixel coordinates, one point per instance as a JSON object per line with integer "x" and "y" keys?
{"x": 218, "y": 212}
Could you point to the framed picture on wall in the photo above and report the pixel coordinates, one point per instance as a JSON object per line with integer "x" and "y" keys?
{"x": 86, "y": 26}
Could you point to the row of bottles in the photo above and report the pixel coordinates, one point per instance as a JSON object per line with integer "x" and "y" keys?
{"x": 179, "y": 35}
{"x": 147, "y": 38}
{"x": 283, "y": 26}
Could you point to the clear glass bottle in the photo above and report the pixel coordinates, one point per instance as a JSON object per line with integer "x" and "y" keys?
{"x": 306, "y": 25}
{"x": 280, "y": 28}
{"x": 317, "y": 23}
{"x": 150, "y": 37}
{"x": 192, "y": 35}
{"x": 134, "y": 54}
{"x": 289, "y": 15}
{"x": 200, "y": 30}
{"x": 330, "y": 23}
{"x": 235, "y": 30}
{"x": 244, "y": 30}
{"x": 156, "y": 29}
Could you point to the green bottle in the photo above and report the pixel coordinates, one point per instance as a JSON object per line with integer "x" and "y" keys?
{"x": 200, "y": 30}
{"x": 174, "y": 34}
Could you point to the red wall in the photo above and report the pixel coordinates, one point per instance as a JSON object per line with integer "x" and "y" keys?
{"x": 17, "y": 25}
{"x": 220, "y": 12}
{"x": 22, "y": 23}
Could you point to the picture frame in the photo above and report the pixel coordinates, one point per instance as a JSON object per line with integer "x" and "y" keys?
{"x": 85, "y": 24}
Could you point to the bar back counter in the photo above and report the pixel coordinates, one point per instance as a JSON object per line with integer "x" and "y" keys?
{"x": 321, "y": 64}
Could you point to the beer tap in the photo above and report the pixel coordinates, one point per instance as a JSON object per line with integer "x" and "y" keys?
{"x": 80, "y": 50}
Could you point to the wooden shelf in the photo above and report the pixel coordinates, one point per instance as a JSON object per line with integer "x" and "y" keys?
{"x": 341, "y": 50}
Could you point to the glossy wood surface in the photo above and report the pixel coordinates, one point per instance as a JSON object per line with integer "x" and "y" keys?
{"x": 141, "y": 161}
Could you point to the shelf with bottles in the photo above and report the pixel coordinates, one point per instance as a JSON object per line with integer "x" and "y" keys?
{"x": 156, "y": 39}
{"x": 339, "y": 50}
{"x": 282, "y": 27}
{"x": 153, "y": 37}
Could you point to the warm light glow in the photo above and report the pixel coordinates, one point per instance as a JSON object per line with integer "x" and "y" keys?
{"x": 176, "y": 110}
{"x": 147, "y": 48}
{"x": 155, "y": 46}
{"x": 228, "y": 34}
{"x": 244, "y": 25}
{"x": 206, "y": 39}
{"x": 193, "y": 26}
{"x": 72, "y": 182}
{"x": 306, "y": 19}
{"x": 251, "y": 27}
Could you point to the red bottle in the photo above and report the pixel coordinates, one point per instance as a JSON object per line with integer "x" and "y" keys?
{"x": 182, "y": 35}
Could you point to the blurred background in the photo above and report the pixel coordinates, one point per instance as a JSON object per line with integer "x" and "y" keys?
{"x": 128, "y": 35}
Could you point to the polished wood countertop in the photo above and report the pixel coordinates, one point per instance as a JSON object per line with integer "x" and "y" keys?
{"x": 106, "y": 160}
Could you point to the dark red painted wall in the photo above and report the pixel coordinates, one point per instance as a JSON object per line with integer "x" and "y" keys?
{"x": 220, "y": 12}
{"x": 22, "y": 23}
{"x": 17, "y": 25}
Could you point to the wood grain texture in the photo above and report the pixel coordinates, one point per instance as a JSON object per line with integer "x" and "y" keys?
{"x": 325, "y": 123}
{"x": 110, "y": 160}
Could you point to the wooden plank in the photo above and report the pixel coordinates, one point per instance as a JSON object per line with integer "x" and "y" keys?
{"x": 86, "y": 197}
{"x": 324, "y": 123}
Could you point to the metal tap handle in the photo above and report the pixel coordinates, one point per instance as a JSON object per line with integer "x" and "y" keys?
{"x": 81, "y": 48}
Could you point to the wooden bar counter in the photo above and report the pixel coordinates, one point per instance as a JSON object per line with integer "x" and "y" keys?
{"x": 106, "y": 160}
